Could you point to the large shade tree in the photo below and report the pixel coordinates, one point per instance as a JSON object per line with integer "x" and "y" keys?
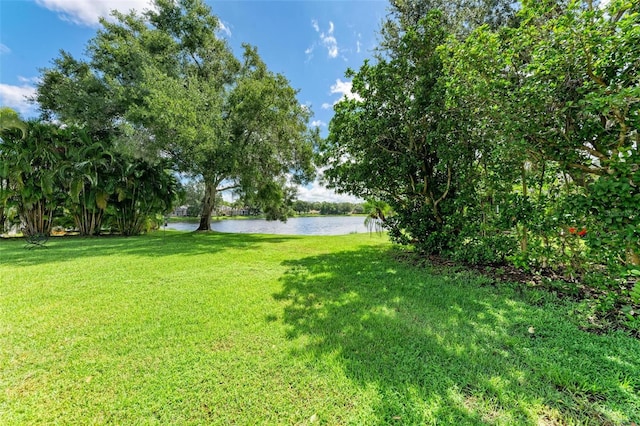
{"x": 395, "y": 141}
{"x": 169, "y": 75}
{"x": 459, "y": 18}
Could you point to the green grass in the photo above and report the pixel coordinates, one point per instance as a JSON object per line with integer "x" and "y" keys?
{"x": 212, "y": 328}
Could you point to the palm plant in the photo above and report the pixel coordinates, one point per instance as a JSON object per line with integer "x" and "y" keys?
{"x": 31, "y": 165}
{"x": 143, "y": 190}
{"x": 377, "y": 212}
{"x": 89, "y": 180}
{"x": 9, "y": 121}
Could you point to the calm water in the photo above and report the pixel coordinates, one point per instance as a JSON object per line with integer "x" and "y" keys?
{"x": 323, "y": 225}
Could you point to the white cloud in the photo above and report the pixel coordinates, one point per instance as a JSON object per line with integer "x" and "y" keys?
{"x": 344, "y": 89}
{"x": 327, "y": 39}
{"x": 317, "y": 192}
{"x": 330, "y": 42}
{"x": 225, "y": 28}
{"x": 16, "y": 97}
{"x": 332, "y": 46}
{"x": 83, "y": 12}
{"x": 318, "y": 123}
{"x": 326, "y": 105}
{"x": 4, "y": 49}
{"x": 28, "y": 80}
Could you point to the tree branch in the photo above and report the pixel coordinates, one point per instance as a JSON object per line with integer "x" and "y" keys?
{"x": 446, "y": 191}
{"x": 597, "y": 172}
{"x": 226, "y": 188}
{"x": 593, "y": 152}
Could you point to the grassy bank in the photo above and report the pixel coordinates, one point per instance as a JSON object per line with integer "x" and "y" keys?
{"x": 188, "y": 328}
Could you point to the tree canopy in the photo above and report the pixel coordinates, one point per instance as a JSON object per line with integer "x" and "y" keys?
{"x": 168, "y": 78}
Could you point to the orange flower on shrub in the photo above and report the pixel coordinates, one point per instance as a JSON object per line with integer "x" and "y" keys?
{"x": 582, "y": 232}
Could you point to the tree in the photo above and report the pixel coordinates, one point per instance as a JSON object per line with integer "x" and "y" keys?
{"x": 89, "y": 177}
{"x": 377, "y": 212}
{"x": 71, "y": 92}
{"x": 142, "y": 191}
{"x": 459, "y": 18}
{"x": 31, "y": 165}
{"x": 9, "y": 120}
{"x": 393, "y": 142}
{"x": 300, "y": 206}
{"x": 574, "y": 80}
{"x": 400, "y": 142}
{"x": 590, "y": 70}
{"x": 233, "y": 124}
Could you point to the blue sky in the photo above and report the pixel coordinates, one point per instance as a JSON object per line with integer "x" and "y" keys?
{"x": 311, "y": 42}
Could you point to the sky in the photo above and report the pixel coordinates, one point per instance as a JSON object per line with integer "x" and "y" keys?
{"x": 312, "y": 43}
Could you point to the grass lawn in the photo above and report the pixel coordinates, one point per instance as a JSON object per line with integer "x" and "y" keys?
{"x": 212, "y": 328}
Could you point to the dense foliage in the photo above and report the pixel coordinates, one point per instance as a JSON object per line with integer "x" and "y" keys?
{"x": 515, "y": 142}
{"x": 51, "y": 174}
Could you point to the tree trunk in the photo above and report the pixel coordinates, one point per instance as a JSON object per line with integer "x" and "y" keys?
{"x": 89, "y": 222}
{"x": 2, "y": 220}
{"x": 208, "y": 203}
{"x": 37, "y": 219}
{"x": 4, "y": 186}
{"x": 525, "y": 231}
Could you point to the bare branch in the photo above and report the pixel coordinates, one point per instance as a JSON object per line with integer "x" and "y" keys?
{"x": 227, "y": 188}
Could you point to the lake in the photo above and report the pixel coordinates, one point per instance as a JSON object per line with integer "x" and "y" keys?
{"x": 321, "y": 225}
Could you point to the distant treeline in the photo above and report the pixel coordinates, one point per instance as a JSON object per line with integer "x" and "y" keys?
{"x": 325, "y": 207}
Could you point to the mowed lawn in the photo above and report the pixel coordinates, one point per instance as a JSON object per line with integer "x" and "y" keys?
{"x": 184, "y": 328}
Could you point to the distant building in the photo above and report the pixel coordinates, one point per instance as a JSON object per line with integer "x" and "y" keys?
{"x": 231, "y": 211}
{"x": 224, "y": 211}
{"x": 180, "y": 211}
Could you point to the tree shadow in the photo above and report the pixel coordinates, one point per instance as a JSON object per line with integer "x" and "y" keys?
{"x": 155, "y": 244}
{"x": 445, "y": 348}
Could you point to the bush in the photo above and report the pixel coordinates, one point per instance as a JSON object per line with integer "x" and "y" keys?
{"x": 488, "y": 250}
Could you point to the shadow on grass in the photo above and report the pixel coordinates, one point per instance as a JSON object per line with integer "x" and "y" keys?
{"x": 156, "y": 244}
{"x": 447, "y": 349}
